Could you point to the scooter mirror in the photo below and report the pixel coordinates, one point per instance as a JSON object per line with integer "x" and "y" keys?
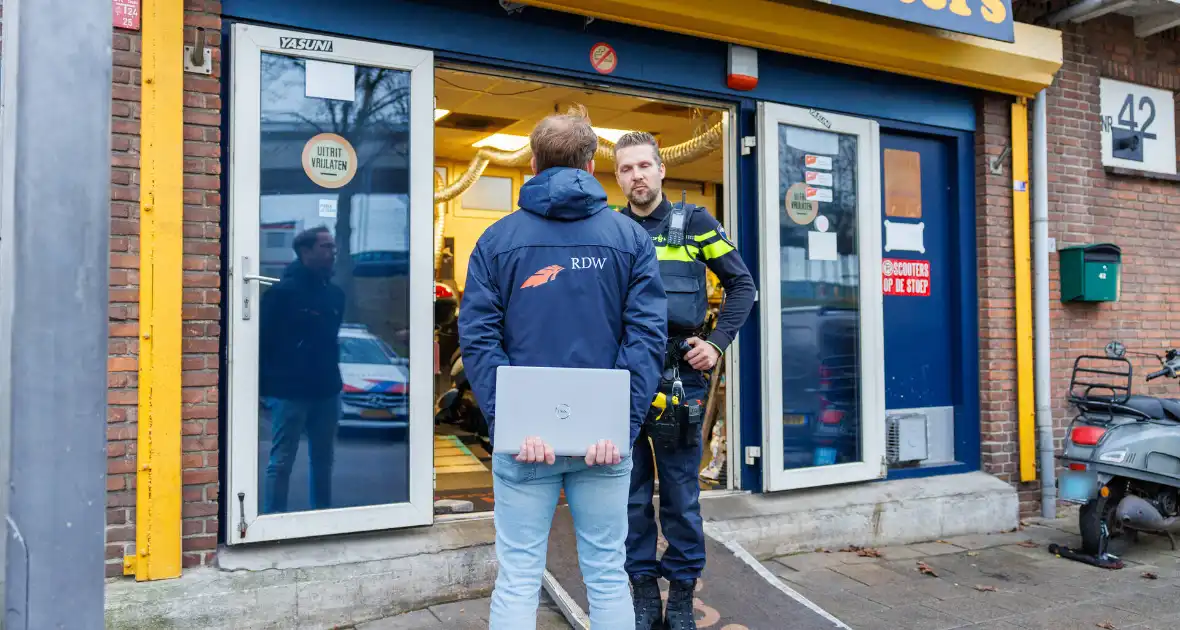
{"x": 1115, "y": 350}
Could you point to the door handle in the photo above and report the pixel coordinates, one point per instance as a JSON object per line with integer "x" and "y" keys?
{"x": 247, "y": 278}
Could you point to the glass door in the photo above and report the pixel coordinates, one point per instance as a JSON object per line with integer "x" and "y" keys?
{"x": 329, "y": 287}
{"x": 821, "y": 310}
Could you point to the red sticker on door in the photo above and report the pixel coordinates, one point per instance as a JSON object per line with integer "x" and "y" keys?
{"x": 905, "y": 277}
{"x": 603, "y": 58}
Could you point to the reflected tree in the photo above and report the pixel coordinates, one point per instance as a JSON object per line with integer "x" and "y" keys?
{"x": 375, "y": 123}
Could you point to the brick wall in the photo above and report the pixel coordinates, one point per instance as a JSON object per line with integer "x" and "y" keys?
{"x": 997, "y": 304}
{"x": 202, "y": 294}
{"x": 1086, "y": 205}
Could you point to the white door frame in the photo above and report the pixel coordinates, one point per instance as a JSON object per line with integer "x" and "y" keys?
{"x": 871, "y": 333}
{"x": 245, "y": 524}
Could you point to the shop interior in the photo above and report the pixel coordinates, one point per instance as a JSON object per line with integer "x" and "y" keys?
{"x": 482, "y": 122}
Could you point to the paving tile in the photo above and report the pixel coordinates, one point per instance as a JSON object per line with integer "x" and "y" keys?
{"x": 1165, "y": 623}
{"x": 973, "y": 609}
{"x": 919, "y": 617}
{"x": 993, "y": 625}
{"x": 417, "y": 620}
{"x": 1086, "y": 615}
{"x": 472, "y": 613}
{"x": 812, "y": 561}
{"x": 893, "y": 595}
{"x": 1145, "y": 604}
{"x": 867, "y": 574}
{"x": 985, "y": 541}
{"x": 936, "y": 548}
{"x": 824, "y": 581}
{"x": 899, "y": 553}
{"x": 845, "y": 604}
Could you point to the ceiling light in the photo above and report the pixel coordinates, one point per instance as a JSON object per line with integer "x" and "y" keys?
{"x": 503, "y": 142}
{"x": 439, "y": 114}
{"x": 610, "y": 134}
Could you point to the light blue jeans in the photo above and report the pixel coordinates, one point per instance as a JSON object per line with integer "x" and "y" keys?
{"x": 526, "y": 497}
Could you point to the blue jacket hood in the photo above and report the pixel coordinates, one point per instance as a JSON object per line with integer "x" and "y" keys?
{"x": 566, "y": 194}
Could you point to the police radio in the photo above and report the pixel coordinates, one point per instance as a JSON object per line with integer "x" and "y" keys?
{"x": 676, "y": 223}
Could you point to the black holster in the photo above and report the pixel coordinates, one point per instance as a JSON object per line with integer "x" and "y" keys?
{"x": 679, "y": 426}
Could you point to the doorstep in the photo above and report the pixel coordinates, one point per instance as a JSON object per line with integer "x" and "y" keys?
{"x": 354, "y": 579}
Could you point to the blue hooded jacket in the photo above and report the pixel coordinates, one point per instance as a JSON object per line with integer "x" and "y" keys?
{"x": 565, "y": 283}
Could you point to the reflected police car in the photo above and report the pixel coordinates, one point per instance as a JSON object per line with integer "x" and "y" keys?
{"x": 376, "y": 381}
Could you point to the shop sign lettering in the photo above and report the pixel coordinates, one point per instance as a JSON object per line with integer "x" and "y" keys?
{"x": 905, "y": 277}
{"x": 305, "y": 43}
{"x": 984, "y": 18}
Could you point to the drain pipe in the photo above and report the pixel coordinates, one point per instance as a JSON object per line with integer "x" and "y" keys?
{"x": 1040, "y": 220}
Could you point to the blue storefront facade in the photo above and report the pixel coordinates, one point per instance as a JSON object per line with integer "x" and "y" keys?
{"x": 848, "y": 158}
{"x": 886, "y": 318}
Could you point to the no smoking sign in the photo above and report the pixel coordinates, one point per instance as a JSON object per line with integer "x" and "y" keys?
{"x": 603, "y": 58}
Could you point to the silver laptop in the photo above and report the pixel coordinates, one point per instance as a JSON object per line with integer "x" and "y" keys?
{"x": 569, "y": 408}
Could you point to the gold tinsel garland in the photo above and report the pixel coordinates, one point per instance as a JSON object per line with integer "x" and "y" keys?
{"x": 683, "y": 153}
{"x": 688, "y": 151}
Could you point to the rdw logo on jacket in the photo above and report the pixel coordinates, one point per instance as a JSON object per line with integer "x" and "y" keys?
{"x": 548, "y": 274}
{"x": 541, "y": 277}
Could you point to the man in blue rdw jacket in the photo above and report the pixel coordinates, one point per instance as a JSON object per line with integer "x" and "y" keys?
{"x": 531, "y": 299}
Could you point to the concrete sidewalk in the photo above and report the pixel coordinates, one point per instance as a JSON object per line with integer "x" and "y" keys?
{"x": 991, "y": 582}
{"x": 468, "y": 615}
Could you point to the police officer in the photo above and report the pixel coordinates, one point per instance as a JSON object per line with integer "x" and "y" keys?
{"x": 687, "y": 239}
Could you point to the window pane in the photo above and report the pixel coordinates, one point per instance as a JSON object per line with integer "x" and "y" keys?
{"x": 820, "y": 266}
{"x": 334, "y": 316}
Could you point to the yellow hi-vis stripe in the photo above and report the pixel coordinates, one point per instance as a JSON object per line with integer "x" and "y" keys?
{"x": 684, "y": 254}
{"x": 717, "y": 249}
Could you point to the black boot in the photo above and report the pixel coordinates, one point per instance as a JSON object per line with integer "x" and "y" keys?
{"x": 679, "y": 615}
{"x": 645, "y": 592}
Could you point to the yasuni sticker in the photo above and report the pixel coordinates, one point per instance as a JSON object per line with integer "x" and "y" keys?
{"x": 305, "y": 43}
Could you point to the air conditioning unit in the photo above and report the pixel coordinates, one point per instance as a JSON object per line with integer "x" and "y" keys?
{"x": 907, "y": 438}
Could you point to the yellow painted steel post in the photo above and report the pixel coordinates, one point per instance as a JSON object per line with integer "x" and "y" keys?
{"x": 161, "y": 273}
{"x": 1022, "y": 268}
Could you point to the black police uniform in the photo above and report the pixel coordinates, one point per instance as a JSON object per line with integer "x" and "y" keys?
{"x": 682, "y": 268}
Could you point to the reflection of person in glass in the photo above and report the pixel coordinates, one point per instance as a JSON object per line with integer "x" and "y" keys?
{"x": 300, "y": 367}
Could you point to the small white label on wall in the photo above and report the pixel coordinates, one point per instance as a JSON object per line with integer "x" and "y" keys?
{"x": 905, "y": 237}
{"x": 328, "y": 208}
{"x": 1138, "y": 127}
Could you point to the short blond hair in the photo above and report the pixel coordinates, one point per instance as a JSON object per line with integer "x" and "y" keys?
{"x": 564, "y": 140}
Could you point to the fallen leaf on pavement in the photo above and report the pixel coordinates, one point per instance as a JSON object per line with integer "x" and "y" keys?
{"x": 1148, "y": 575}
{"x": 864, "y": 552}
{"x": 985, "y": 589}
{"x": 1028, "y": 544}
{"x": 1106, "y": 625}
{"x": 926, "y": 570}
{"x": 972, "y": 553}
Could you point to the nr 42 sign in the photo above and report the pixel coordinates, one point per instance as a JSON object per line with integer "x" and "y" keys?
{"x": 1138, "y": 127}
